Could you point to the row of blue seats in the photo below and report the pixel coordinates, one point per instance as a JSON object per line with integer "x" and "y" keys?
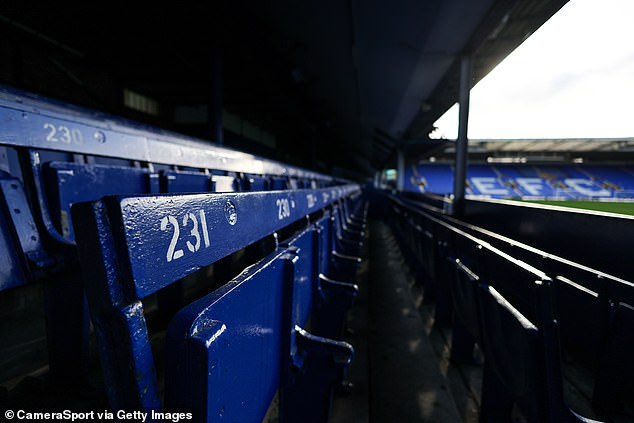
{"x": 527, "y": 310}
{"x": 52, "y": 186}
{"x": 516, "y": 181}
{"x": 299, "y": 232}
{"x": 231, "y": 351}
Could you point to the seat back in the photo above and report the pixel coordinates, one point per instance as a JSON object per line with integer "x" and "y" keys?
{"x": 507, "y": 306}
{"x": 226, "y": 351}
{"x": 615, "y": 371}
{"x": 464, "y": 286}
{"x": 511, "y": 345}
{"x": 136, "y": 246}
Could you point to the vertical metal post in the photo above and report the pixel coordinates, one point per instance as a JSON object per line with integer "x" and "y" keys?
{"x": 400, "y": 169}
{"x": 216, "y": 95}
{"x": 460, "y": 172}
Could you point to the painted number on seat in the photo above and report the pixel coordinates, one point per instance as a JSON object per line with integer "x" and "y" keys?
{"x": 283, "y": 208}
{"x": 194, "y": 239}
{"x": 312, "y": 200}
{"x": 63, "y": 134}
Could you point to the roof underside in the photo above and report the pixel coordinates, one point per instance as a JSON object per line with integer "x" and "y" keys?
{"x": 339, "y": 84}
{"x": 511, "y": 150}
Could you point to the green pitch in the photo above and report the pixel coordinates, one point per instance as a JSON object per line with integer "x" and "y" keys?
{"x": 612, "y": 207}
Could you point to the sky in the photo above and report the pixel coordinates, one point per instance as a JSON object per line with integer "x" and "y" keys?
{"x": 572, "y": 78}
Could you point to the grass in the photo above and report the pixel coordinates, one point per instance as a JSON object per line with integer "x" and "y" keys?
{"x": 604, "y": 206}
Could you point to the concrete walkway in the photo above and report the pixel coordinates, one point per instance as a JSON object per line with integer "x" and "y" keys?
{"x": 397, "y": 374}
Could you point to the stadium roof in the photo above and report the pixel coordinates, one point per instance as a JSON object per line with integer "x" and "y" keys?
{"x": 580, "y": 149}
{"x": 324, "y": 77}
{"x": 572, "y": 145}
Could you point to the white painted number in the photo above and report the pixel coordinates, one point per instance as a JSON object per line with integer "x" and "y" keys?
{"x": 78, "y": 138}
{"x": 194, "y": 232}
{"x": 63, "y": 134}
{"x": 283, "y": 208}
{"x": 312, "y": 200}
{"x": 172, "y": 252}
{"x": 203, "y": 223}
{"x": 51, "y": 134}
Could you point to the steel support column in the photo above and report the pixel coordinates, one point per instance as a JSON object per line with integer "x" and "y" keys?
{"x": 460, "y": 167}
{"x": 400, "y": 168}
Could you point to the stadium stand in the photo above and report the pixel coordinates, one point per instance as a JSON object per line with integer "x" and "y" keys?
{"x": 98, "y": 203}
{"x": 527, "y": 182}
{"x": 541, "y": 320}
{"x": 185, "y": 277}
{"x": 149, "y": 275}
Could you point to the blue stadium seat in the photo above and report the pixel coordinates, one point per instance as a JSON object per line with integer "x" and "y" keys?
{"x": 615, "y": 370}
{"x": 256, "y": 183}
{"x": 436, "y": 178}
{"x": 21, "y": 246}
{"x": 216, "y": 348}
{"x": 521, "y": 360}
{"x": 466, "y": 325}
{"x": 582, "y": 319}
{"x": 507, "y": 307}
{"x": 335, "y": 282}
{"x": 56, "y": 155}
{"x": 513, "y": 363}
{"x": 585, "y": 301}
{"x": 133, "y": 248}
{"x": 70, "y": 183}
{"x": 217, "y": 344}
{"x": 526, "y": 182}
